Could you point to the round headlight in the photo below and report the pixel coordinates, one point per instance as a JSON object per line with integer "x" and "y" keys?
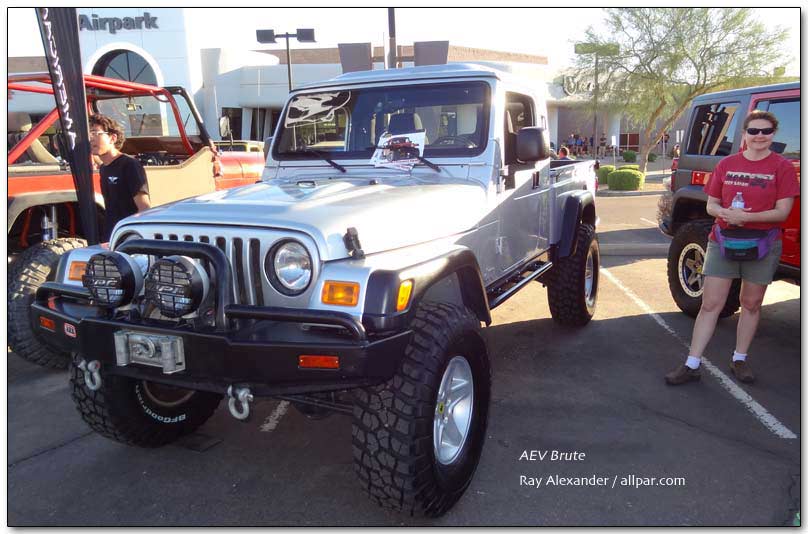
{"x": 290, "y": 269}
{"x": 177, "y": 285}
{"x": 113, "y": 279}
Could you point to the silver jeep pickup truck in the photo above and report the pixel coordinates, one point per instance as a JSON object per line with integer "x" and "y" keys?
{"x": 396, "y": 210}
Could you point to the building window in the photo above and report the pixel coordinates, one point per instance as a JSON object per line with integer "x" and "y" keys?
{"x": 234, "y": 114}
{"x": 125, "y": 65}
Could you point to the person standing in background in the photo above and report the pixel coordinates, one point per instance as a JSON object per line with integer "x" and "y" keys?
{"x": 123, "y": 180}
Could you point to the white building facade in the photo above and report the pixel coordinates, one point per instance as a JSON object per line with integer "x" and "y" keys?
{"x": 159, "y": 46}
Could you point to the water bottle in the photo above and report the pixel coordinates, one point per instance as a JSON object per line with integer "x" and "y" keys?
{"x": 737, "y": 202}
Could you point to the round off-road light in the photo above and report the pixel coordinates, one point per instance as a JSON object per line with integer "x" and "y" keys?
{"x": 113, "y": 279}
{"x": 288, "y": 267}
{"x": 177, "y": 285}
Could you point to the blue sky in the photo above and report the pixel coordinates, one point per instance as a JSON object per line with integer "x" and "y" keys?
{"x": 548, "y": 32}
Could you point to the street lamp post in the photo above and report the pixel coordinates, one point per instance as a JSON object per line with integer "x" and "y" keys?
{"x": 303, "y": 35}
{"x": 599, "y": 50}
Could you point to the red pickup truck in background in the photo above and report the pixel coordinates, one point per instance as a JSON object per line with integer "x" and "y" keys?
{"x": 714, "y": 130}
{"x": 163, "y": 130}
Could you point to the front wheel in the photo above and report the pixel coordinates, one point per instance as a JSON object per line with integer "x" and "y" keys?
{"x": 685, "y": 264}
{"x": 26, "y": 274}
{"x": 139, "y": 412}
{"x": 572, "y": 290}
{"x": 418, "y": 437}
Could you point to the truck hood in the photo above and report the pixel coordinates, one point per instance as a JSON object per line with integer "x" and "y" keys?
{"x": 386, "y": 216}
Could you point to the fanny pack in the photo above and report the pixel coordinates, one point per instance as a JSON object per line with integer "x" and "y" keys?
{"x": 741, "y": 244}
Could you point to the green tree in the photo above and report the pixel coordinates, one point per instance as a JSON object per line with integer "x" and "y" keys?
{"x": 668, "y": 56}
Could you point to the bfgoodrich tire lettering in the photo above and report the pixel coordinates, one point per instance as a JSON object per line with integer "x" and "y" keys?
{"x": 685, "y": 263}
{"x": 123, "y": 410}
{"x": 28, "y": 272}
{"x": 572, "y": 290}
{"x": 394, "y": 452}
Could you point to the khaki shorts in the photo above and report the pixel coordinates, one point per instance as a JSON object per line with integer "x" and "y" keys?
{"x": 757, "y": 271}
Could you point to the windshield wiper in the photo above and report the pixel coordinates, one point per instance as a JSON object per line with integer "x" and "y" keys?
{"x": 322, "y": 155}
{"x": 418, "y": 157}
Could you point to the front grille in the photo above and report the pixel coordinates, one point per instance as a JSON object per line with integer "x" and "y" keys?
{"x": 245, "y": 250}
{"x": 244, "y": 262}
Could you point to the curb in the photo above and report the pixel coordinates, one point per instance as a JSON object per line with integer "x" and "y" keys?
{"x": 607, "y": 193}
{"x": 654, "y": 250}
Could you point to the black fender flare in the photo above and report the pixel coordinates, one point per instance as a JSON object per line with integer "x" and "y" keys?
{"x": 579, "y": 207}
{"x": 19, "y": 203}
{"x": 380, "y": 313}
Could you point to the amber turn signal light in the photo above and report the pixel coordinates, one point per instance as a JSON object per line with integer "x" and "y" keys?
{"x": 77, "y": 269}
{"x": 308, "y": 361}
{"x": 404, "y": 292}
{"x": 340, "y": 293}
{"x": 47, "y": 324}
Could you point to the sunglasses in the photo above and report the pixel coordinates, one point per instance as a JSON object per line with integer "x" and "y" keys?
{"x": 764, "y": 131}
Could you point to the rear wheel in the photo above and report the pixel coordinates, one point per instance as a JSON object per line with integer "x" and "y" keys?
{"x": 572, "y": 290}
{"x": 685, "y": 265}
{"x": 28, "y": 272}
{"x": 139, "y": 412}
{"x": 417, "y": 438}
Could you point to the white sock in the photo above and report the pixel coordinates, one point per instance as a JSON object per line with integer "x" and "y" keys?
{"x": 693, "y": 362}
{"x": 738, "y": 357}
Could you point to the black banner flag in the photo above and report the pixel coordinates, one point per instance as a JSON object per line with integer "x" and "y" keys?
{"x": 60, "y": 35}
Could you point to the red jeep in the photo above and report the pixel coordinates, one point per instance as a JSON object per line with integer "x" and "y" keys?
{"x": 714, "y": 131}
{"x": 163, "y": 130}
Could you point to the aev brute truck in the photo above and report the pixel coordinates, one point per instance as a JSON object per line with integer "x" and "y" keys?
{"x": 338, "y": 285}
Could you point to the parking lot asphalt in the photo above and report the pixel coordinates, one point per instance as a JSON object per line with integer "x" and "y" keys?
{"x": 729, "y": 454}
{"x": 595, "y": 394}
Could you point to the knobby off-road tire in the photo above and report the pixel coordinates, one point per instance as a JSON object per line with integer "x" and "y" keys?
{"x": 395, "y": 423}
{"x": 26, "y": 274}
{"x": 137, "y": 412}
{"x": 572, "y": 290}
{"x": 685, "y": 264}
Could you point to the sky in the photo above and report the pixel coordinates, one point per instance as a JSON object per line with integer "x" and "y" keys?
{"x": 549, "y": 32}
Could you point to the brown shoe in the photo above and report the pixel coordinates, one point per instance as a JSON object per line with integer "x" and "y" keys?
{"x": 742, "y": 371}
{"x": 682, "y": 375}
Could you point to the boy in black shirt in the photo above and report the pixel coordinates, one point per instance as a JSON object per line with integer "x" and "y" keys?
{"x": 123, "y": 180}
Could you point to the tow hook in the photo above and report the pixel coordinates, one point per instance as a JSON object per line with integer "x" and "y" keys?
{"x": 92, "y": 376}
{"x": 238, "y": 402}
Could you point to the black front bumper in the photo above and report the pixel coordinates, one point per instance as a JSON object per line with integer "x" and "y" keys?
{"x": 261, "y": 353}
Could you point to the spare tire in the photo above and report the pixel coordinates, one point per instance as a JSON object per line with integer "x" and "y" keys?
{"x": 28, "y": 272}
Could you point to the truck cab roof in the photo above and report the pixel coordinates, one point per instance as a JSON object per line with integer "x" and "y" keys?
{"x": 451, "y": 70}
{"x": 732, "y": 93}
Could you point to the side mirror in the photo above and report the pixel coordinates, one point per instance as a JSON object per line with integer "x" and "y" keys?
{"x": 267, "y": 144}
{"x": 532, "y": 144}
{"x": 224, "y": 127}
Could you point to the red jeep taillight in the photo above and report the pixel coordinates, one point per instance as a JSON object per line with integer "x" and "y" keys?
{"x": 699, "y": 177}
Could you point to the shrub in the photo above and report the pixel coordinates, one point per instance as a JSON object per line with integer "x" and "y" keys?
{"x": 631, "y": 167}
{"x": 629, "y": 156}
{"x": 652, "y": 156}
{"x": 625, "y": 180}
{"x": 604, "y": 171}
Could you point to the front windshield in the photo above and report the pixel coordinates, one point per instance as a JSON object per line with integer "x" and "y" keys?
{"x": 349, "y": 124}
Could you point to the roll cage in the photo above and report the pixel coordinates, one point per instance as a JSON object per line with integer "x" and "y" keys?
{"x": 100, "y": 88}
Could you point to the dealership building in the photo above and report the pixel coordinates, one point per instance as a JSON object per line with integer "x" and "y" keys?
{"x": 158, "y": 46}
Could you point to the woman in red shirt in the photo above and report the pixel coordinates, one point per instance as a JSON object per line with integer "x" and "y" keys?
{"x": 768, "y": 184}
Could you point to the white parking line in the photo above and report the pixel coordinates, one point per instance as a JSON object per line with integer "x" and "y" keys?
{"x": 271, "y": 422}
{"x": 652, "y": 223}
{"x": 768, "y": 420}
